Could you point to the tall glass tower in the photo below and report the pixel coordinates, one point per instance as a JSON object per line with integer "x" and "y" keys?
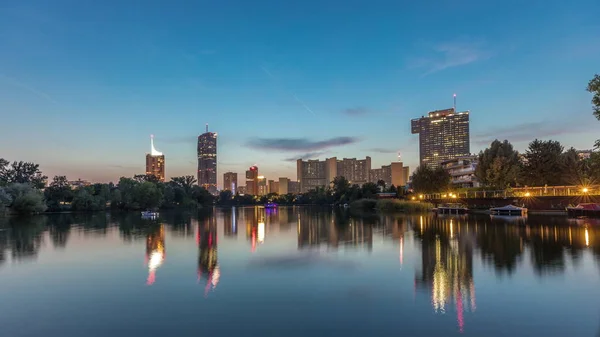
{"x": 207, "y": 160}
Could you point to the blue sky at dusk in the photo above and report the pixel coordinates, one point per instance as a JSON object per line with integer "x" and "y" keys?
{"x": 84, "y": 83}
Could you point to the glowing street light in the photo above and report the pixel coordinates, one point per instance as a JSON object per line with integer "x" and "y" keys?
{"x": 584, "y": 190}
{"x": 527, "y": 194}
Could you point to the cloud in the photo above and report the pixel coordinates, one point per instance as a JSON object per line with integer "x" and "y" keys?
{"x": 382, "y": 150}
{"x": 16, "y": 83}
{"x": 359, "y": 111}
{"x": 305, "y": 156}
{"x": 527, "y": 132}
{"x": 299, "y": 144}
{"x": 452, "y": 54}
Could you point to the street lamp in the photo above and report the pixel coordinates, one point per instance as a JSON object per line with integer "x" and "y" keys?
{"x": 584, "y": 190}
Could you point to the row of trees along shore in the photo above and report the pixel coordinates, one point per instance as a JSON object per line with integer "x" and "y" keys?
{"x": 23, "y": 191}
{"x": 544, "y": 163}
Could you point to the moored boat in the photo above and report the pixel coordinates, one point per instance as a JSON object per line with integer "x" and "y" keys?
{"x": 149, "y": 215}
{"x": 509, "y": 210}
{"x": 270, "y": 205}
{"x": 586, "y": 209}
{"x": 451, "y": 209}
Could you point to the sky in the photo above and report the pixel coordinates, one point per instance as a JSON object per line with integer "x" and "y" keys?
{"x": 84, "y": 83}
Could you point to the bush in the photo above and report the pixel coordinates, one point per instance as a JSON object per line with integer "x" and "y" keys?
{"x": 29, "y": 202}
{"x": 395, "y": 205}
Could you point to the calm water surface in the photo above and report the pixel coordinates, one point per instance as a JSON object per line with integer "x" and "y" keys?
{"x": 298, "y": 271}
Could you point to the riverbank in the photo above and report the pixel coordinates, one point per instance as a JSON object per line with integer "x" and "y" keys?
{"x": 391, "y": 205}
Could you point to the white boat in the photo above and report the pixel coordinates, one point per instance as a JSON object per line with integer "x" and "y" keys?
{"x": 509, "y": 210}
{"x": 149, "y": 215}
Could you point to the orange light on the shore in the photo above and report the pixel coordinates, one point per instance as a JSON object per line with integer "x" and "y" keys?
{"x": 584, "y": 190}
{"x": 527, "y": 194}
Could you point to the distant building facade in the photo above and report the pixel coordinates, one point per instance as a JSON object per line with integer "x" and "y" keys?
{"x": 283, "y": 186}
{"x": 252, "y": 181}
{"x": 155, "y": 162}
{"x": 263, "y": 187}
{"x": 394, "y": 174}
{"x": 79, "y": 183}
{"x": 316, "y": 173}
{"x": 462, "y": 171}
{"x": 584, "y": 154}
{"x": 274, "y": 186}
{"x": 443, "y": 135}
{"x": 230, "y": 181}
{"x": 293, "y": 187}
{"x": 207, "y": 160}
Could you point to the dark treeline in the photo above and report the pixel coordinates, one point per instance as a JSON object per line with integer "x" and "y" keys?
{"x": 22, "y": 191}
{"x": 500, "y": 166}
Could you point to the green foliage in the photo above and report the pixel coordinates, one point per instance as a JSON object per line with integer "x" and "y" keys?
{"x": 5, "y": 199}
{"x": 428, "y": 180}
{"x": 21, "y": 173}
{"x": 594, "y": 88}
{"x": 58, "y": 193}
{"x": 543, "y": 163}
{"x": 26, "y": 199}
{"x": 396, "y": 205}
{"x": 369, "y": 190}
{"x": 498, "y": 166}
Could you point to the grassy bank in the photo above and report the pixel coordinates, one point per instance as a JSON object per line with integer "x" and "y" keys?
{"x": 391, "y": 205}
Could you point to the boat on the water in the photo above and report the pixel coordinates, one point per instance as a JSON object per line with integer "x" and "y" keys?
{"x": 509, "y": 210}
{"x": 270, "y": 205}
{"x": 149, "y": 215}
{"x": 586, "y": 209}
{"x": 451, "y": 209}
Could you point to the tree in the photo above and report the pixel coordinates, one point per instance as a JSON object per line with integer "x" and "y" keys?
{"x": 369, "y": 190}
{"x": 428, "y": 180}
{"x": 185, "y": 182}
{"x": 147, "y": 195}
{"x": 140, "y": 178}
{"x": 202, "y": 196}
{"x": 573, "y": 169}
{"x": 26, "y": 199}
{"x": 594, "y": 88}
{"x": 543, "y": 163}
{"x": 21, "y": 172}
{"x": 5, "y": 199}
{"x": 498, "y": 166}
{"x": 341, "y": 187}
{"x": 58, "y": 193}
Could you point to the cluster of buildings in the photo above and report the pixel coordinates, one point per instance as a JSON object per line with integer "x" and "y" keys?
{"x": 444, "y": 141}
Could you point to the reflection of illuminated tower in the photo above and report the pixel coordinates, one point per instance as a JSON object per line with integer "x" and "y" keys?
{"x": 447, "y": 269}
{"x": 155, "y": 252}
{"x": 207, "y": 257}
{"x": 230, "y": 222}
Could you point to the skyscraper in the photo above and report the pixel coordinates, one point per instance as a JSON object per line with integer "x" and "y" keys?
{"x": 207, "y": 160}
{"x": 443, "y": 135}
{"x": 230, "y": 181}
{"x": 252, "y": 181}
{"x": 155, "y": 162}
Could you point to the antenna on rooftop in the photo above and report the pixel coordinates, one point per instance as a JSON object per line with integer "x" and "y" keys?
{"x": 455, "y": 103}
{"x": 206, "y": 127}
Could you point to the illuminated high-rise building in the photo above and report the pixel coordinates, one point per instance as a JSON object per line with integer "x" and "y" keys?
{"x": 155, "y": 162}
{"x": 317, "y": 173}
{"x": 230, "y": 182}
{"x": 443, "y": 135}
{"x": 252, "y": 181}
{"x": 207, "y": 160}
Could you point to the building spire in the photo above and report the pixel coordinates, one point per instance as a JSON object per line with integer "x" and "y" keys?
{"x": 152, "y": 149}
{"x": 206, "y": 127}
{"x": 455, "y": 103}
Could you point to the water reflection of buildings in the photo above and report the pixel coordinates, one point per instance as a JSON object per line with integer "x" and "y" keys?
{"x": 254, "y": 218}
{"x": 327, "y": 228}
{"x": 208, "y": 267}
{"x": 230, "y": 221}
{"x": 447, "y": 266}
{"x": 155, "y": 252}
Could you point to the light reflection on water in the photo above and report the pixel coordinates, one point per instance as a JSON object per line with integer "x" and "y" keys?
{"x": 436, "y": 275}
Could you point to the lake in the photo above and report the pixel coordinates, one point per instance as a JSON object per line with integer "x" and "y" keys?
{"x": 298, "y": 271}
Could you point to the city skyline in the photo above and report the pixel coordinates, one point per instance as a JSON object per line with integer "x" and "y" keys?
{"x": 322, "y": 84}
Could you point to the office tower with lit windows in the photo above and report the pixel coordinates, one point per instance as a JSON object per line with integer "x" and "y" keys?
{"x": 443, "y": 135}
{"x": 230, "y": 182}
{"x": 394, "y": 174}
{"x": 155, "y": 162}
{"x": 263, "y": 187}
{"x": 252, "y": 181}
{"x": 207, "y": 160}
